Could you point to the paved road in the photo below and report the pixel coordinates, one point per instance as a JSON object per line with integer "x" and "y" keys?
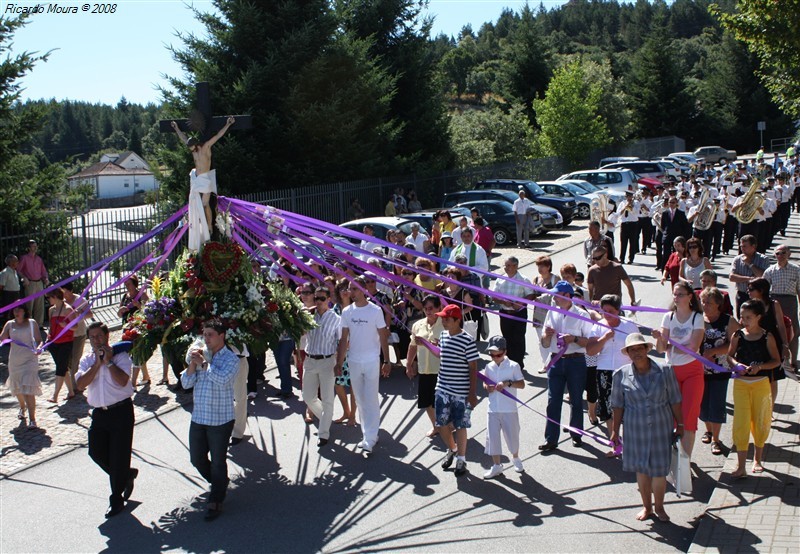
{"x": 287, "y": 496}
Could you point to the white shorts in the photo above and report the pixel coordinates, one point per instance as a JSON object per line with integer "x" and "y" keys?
{"x": 508, "y": 424}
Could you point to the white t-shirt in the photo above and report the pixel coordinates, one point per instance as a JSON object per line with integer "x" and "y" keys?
{"x": 610, "y": 357}
{"x": 567, "y": 325}
{"x": 522, "y": 206}
{"x": 364, "y": 324}
{"x": 681, "y": 333}
{"x": 507, "y": 370}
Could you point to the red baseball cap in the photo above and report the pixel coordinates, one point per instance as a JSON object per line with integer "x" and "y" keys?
{"x": 451, "y": 310}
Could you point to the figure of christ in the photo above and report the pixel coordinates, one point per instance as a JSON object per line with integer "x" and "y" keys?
{"x": 203, "y": 185}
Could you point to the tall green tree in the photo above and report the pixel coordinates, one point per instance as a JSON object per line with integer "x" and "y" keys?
{"x": 656, "y": 88}
{"x": 569, "y": 116}
{"x": 485, "y": 137}
{"x": 770, "y": 30}
{"x": 24, "y": 181}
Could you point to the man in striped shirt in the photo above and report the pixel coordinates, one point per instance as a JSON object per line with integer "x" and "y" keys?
{"x": 784, "y": 279}
{"x": 318, "y": 374}
{"x": 456, "y": 386}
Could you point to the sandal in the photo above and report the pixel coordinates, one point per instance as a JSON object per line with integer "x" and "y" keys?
{"x": 757, "y": 468}
{"x": 21, "y": 414}
{"x": 70, "y": 396}
{"x": 164, "y": 382}
{"x": 716, "y": 448}
{"x": 707, "y": 436}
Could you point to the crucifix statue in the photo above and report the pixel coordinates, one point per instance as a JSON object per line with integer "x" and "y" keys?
{"x": 203, "y": 179}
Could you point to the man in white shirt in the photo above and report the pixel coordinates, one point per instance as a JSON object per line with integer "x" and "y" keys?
{"x": 476, "y": 256}
{"x": 367, "y": 245}
{"x": 419, "y": 240}
{"x": 106, "y": 378}
{"x": 522, "y": 215}
{"x": 628, "y": 212}
{"x": 514, "y": 284}
{"x": 364, "y": 336}
{"x": 569, "y": 371}
{"x": 456, "y": 233}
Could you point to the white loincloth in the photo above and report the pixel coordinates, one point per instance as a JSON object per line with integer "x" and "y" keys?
{"x": 199, "y": 228}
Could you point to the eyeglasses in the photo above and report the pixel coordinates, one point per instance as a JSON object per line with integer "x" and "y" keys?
{"x": 496, "y": 354}
{"x": 598, "y": 258}
{"x": 679, "y": 294}
{"x": 408, "y": 273}
{"x": 781, "y": 253}
{"x": 320, "y": 299}
{"x": 305, "y": 292}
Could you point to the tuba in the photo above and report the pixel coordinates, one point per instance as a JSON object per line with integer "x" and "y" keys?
{"x": 706, "y": 212}
{"x": 751, "y": 203}
{"x": 600, "y": 210}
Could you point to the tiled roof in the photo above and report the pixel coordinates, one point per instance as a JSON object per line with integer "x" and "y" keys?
{"x": 108, "y": 168}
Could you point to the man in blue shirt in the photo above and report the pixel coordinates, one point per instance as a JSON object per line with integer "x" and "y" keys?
{"x": 212, "y": 371}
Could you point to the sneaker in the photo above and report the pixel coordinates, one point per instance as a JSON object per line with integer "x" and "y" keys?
{"x": 461, "y": 468}
{"x": 448, "y": 459}
{"x": 493, "y": 472}
{"x": 518, "y": 465}
{"x": 363, "y": 445}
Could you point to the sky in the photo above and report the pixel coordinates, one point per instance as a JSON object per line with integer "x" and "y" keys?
{"x": 101, "y": 57}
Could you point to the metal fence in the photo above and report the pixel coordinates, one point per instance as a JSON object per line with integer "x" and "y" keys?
{"x": 330, "y": 202}
{"x": 69, "y": 243}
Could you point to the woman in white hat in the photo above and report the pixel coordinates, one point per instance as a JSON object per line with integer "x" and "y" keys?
{"x": 650, "y": 400}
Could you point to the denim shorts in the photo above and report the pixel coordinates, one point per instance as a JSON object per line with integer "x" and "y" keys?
{"x": 452, "y": 409}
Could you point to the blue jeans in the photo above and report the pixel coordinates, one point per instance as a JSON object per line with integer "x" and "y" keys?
{"x": 569, "y": 373}
{"x": 211, "y": 439}
{"x": 283, "y": 359}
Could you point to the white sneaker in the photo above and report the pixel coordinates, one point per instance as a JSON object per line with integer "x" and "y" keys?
{"x": 518, "y": 465}
{"x": 493, "y": 472}
{"x": 363, "y": 445}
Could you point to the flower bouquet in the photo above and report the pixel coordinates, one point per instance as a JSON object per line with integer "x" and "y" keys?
{"x": 218, "y": 282}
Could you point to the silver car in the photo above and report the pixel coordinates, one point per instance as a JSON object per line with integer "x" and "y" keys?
{"x": 613, "y": 179}
{"x": 568, "y": 189}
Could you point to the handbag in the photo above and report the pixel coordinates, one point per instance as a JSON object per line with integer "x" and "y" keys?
{"x": 471, "y": 328}
{"x": 485, "y": 326}
{"x": 680, "y": 474}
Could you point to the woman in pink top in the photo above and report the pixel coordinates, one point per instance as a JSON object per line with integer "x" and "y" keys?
{"x": 61, "y": 345}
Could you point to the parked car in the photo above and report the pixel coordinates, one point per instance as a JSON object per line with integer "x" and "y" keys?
{"x": 642, "y": 168}
{"x": 671, "y": 169}
{"x": 614, "y": 159}
{"x": 715, "y": 154}
{"x": 425, "y": 217}
{"x": 380, "y": 226}
{"x": 499, "y": 216}
{"x": 551, "y": 217}
{"x": 690, "y": 158}
{"x": 615, "y": 179}
{"x": 567, "y": 206}
{"x": 590, "y": 189}
{"x": 681, "y": 164}
{"x": 568, "y": 189}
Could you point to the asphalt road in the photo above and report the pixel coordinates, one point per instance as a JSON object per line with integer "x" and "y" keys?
{"x": 285, "y": 496}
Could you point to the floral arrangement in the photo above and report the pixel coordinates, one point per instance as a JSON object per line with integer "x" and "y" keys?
{"x": 218, "y": 282}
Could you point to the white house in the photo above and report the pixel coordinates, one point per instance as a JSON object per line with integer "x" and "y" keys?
{"x": 116, "y": 176}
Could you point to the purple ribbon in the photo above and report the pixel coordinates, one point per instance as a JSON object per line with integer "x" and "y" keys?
{"x": 562, "y": 349}
{"x": 602, "y": 440}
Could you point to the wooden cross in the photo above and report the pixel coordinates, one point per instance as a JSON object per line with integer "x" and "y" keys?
{"x": 202, "y": 121}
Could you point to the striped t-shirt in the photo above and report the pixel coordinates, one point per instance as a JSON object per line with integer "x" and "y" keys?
{"x": 457, "y": 351}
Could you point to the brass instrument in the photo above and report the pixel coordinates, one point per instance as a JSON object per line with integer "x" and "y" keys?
{"x": 752, "y": 201}
{"x": 705, "y": 214}
{"x": 658, "y": 210}
{"x": 600, "y": 210}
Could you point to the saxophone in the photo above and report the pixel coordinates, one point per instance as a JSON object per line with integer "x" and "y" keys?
{"x": 705, "y": 215}
{"x": 751, "y": 203}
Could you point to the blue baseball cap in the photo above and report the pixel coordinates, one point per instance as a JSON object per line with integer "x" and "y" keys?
{"x": 563, "y": 287}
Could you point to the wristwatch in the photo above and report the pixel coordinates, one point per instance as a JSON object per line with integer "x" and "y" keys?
{"x": 509, "y": 383}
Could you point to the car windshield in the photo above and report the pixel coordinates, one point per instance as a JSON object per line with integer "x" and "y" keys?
{"x": 536, "y": 189}
{"x": 588, "y": 187}
{"x": 573, "y": 188}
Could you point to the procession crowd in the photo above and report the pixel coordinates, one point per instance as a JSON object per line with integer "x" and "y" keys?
{"x": 427, "y": 301}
